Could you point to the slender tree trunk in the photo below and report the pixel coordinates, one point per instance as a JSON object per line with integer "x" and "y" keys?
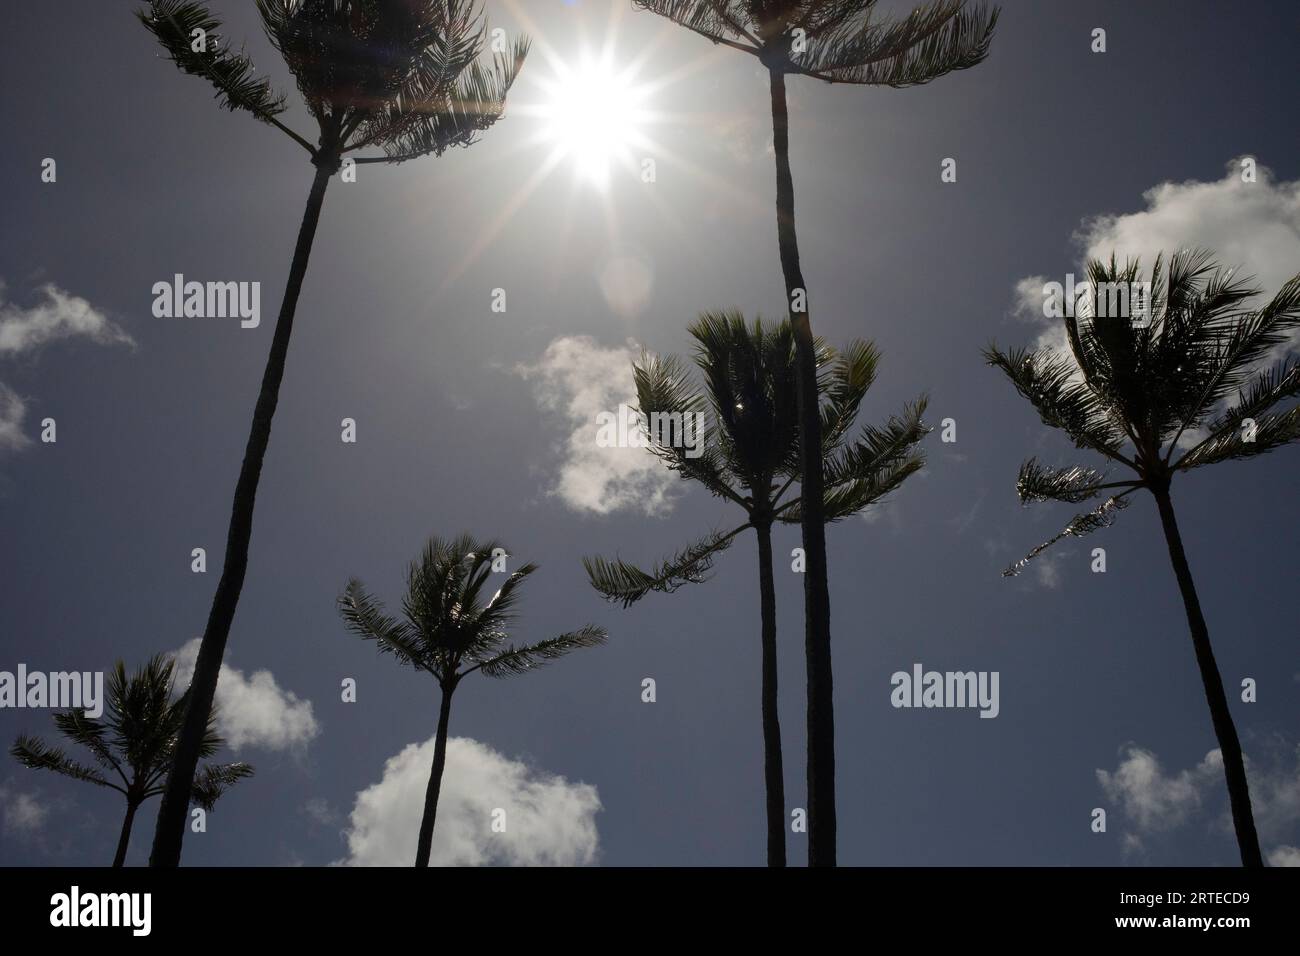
{"x": 1234, "y": 766}
{"x": 817, "y": 605}
{"x": 431, "y": 792}
{"x": 773, "y": 771}
{"x": 170, "y": 829}
{"x": 124, "y": 840}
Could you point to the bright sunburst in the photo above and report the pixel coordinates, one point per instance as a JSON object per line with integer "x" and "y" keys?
{"x": 594, "y": 116}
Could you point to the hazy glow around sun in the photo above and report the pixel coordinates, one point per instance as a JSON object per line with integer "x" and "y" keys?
{"x": 594, "y": 115}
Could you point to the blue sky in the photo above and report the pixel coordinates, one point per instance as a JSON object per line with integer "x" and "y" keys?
{"x": 470, "y": 419}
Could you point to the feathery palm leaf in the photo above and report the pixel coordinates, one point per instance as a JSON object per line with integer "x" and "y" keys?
{"x": 842, "y": 41}
{"x": 214, "y": 780}
{"x": 1080, "y": 525}
{"x": 35, "y": 754}
{"x": 514, "y": 661}
{"x": 625, "y": 583}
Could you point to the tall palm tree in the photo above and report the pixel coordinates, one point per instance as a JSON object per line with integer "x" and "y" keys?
{"x": 837, "y": 41}
{"x": 135, "y": 743}
{"x": 401, "y": 77}
{"x": 451, "y": 628}
{"x": 749, "y": 455}
{"x": 1132, "y": 391}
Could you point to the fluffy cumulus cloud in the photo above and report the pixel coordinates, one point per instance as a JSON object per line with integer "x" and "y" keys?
{"x": 1153, "y": 799}
{"x": 548, "y": 820}
{"x": 577, "y": 378}
{"x": 21, "y": 813}
{"x": 1156, "y": 801}
{"x": 58, "y": 315}
{"x": 253, "y": 710}
{"x": 12, "y": 412}
{"x": 1254, "y": 226}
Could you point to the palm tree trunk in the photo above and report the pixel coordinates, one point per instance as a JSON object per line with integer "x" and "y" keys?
{"x": 1234, "y": 766}
{"x": 169, "y": 831}
{"x": 817, "y": 604}
{"x": 773, "y": 771}
{"x": 431, "y": 792}
{"x": 124, "y": 840}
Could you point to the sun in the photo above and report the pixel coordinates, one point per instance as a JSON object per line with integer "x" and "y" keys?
{"x": 594, "y": 116}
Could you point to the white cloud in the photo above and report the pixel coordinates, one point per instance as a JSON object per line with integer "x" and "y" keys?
{"x": 12, "y": 412}
{"x": 1284, "y": 856}
{"x": 1048, "y": 572}
{"x": 253, "y": 711}
{"x": 1254, "y": 226}
{"x": 1153, "y": 800}
{"x": 22, "y": 812}
{"x": 1156, "y": 801}
{"x": 1275, "y": 795}
{"x": 320, "y": 811}
{"x": 59, "y": 316}
{"x": 579, "y": 378}
{"x": 549, "y": 821}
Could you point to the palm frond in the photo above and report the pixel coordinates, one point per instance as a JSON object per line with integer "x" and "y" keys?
{"x": 1082, "y": 524}
{"x": 878, "y": 448}
{"x": 213, "y": 780}
{"x": 626, "y": 584}
{"x": 720, "y": 21}
{"x": 174, "y": 23}
{"x": 35, "y": 754}
{"x": 91, "y": 734}
{"x": 364, "y": 616}
{"x": 1271, "y": 431}
{"x": 521, "y": 660}
{"x": 1074, "y": 484}
{"x": 934, "y": 39}
{"x": 1049, "y": 383}
{"x": 852, "y": 372}
{"x": 426, "y": 120}
{"x": 850, "y": 497}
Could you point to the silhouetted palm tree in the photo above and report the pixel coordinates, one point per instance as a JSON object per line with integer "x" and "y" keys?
{"x": 748, "y": 453}
{"x": 451, "y": 628}
{"x": 1132, "y": 390}
{"x": 838, "y": 41}
{"x": 134, "y": 742}
{"x": 398, "y": 76}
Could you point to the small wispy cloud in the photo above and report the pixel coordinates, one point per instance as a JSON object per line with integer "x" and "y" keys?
{"x": 59, "y": 315}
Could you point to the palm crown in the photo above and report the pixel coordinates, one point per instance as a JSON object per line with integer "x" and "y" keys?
{"x": 1133, "y": 391}
{"x": 135, "y": 740}
{"x": 451, "y": 625}
{"x": 842, "y": 41}
{"x": 401, "y": 76}
{"x": 749, "y": 448}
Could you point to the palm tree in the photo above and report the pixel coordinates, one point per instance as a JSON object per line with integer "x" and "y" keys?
{"x": 837, "y": 41}
{"x": 401, "y": 77}
{"x": 1132, "y": 391}
{"x": 451, "y": 628}
{"x": 134, "y": 743}
{"x": 751, "y": 458}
